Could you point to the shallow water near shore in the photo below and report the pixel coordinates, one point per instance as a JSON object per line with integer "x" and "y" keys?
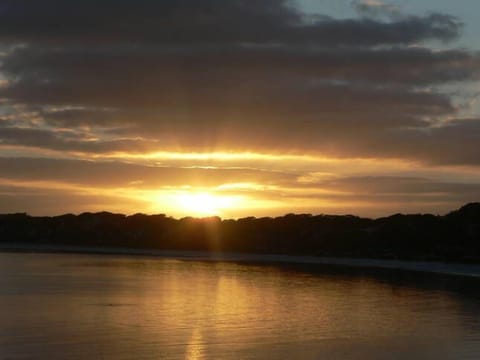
{"x": 57, "y": 306}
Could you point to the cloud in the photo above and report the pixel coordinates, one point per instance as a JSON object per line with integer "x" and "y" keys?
{"x": 333, "y": 133}
{"x": 160, "y": 79}
{"x": 121, "y": 174}
{"x": 93, "y": 79}
{"x": 395, "y": 185}
{"x": 376, "y": 8}
{"x": 67, "y": 141}
{"x": 192, "y": 22}
{"x": 41, "y": 201}
{"x": 124, "y": 187}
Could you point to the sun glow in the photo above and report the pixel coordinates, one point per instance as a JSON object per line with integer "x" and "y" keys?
{"x": 204, "y": 203}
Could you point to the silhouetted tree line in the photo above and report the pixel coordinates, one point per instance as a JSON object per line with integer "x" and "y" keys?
{"x": 453, "y": 237}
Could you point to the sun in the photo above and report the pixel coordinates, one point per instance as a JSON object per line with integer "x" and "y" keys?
{"x": 203, "y": 203}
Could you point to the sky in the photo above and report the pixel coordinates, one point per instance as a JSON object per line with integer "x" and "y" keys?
{"x": 239, "y": 108}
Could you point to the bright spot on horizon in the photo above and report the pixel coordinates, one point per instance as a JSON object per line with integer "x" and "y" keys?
{"x": 204, "y": 203}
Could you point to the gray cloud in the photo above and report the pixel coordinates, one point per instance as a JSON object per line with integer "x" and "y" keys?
{"x": 173, "y": 78}
{"x": 161, "y": 75}
{"x": 120, "y": 174}
{"x": 208, "y": 21}
{"x": 67, "y": 141}
{"x": 403, "y": 186}
{"x": 376, "y": 8}
{"x": 455, "y": 142}
{"x": 38, "y": 201}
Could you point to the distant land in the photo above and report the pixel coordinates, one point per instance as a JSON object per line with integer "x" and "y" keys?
{"x": 454, "y": 237}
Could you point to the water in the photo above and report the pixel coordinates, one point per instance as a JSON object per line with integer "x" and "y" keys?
{"x": 114, "y": 307}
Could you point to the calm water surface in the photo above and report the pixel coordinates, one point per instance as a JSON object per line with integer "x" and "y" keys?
{"x": 114, "y": 307}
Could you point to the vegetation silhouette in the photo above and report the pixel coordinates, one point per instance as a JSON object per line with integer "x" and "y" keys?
{"x": 454, "y": 237}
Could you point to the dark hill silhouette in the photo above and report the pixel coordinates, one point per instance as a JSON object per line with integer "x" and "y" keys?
{"x": 453, "y": 237}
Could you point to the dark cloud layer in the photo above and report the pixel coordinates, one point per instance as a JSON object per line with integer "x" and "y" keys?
{"x": 39, "y": 201}
{"x": 234, "y": 75}
{"x": 120, "y": 174}
{"x": 208, "y": 21}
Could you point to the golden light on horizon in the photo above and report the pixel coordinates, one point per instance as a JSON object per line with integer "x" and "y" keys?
{"x": 204, "y": 203}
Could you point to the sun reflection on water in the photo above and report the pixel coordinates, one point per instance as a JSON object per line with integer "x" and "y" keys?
{"x": 195, "y": 347}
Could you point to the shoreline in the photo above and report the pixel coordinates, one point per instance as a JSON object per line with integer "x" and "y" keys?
{"x": 434, "y": 267}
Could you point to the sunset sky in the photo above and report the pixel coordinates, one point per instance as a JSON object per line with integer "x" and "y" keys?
{"x": 237, "y": 108}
